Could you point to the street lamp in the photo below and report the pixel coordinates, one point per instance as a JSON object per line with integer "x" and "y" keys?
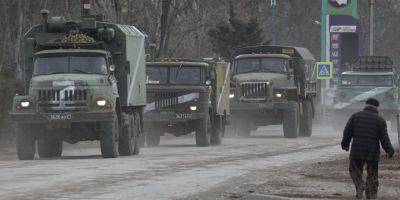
{"x": 273, "y": 7}
{"x": 371, "y": 27}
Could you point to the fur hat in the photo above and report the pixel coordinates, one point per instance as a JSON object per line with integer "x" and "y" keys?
{"x": 372, "y": 102}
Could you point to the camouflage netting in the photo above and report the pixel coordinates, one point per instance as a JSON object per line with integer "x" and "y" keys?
{"x": 74, "y": 38}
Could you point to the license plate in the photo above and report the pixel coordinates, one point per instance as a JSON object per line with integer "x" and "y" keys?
{"x": 59, "y": 116}
{"x": 183, "y": 116}
{"x": 262, "y": 105}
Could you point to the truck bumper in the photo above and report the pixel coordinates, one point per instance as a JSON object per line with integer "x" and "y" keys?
{"x": 35, "y": 118}
{"x": 257, "y": 107}
{"x": 172, "y": 117}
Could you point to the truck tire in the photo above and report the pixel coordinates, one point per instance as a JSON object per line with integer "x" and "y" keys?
{"x": 138, "y": 131}
{"x": 217, "y": 131}
{"x": 153, "y": 137}
{"x": 49, "y": 147}
{"x": 142, "y": 139}
{"x": 203, "y": 132}
{"x": 127, "y": 139}
{"x": 306, "y": 120}
{"x": 109, "y": 139}
{"x": 291, "y": 121}
{"x": 242, "y": 127}
{"x": 26, "y": 143}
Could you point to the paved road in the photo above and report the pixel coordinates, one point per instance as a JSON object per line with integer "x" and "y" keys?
{"x": 176, "y": 169}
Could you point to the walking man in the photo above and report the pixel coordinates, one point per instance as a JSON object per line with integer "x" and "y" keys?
{"x": 366, "y": 128}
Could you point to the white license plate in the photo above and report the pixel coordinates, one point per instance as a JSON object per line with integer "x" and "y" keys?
{"x": 183, "y": 116}
{"x": 59, "y": 116}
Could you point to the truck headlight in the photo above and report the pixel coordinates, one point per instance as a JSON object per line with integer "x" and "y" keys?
{"x": 278, "y": 95}
{"x": 193, "y": 108}
{"x": 102, "y": 103}
{"x": 231, "y": 96}
{"x": 25, "y": 104}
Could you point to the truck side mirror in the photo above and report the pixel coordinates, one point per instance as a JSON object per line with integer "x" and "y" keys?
{"x": 112, "y": 68}
{"x": 212, "y": 75}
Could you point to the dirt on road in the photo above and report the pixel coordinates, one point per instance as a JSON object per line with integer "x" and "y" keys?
{"x": 321, "y": 180}
{"x": 263, "y": 164}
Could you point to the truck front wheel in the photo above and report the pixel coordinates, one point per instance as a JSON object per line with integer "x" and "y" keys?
{"x": 109, "y": 139}
{"x": 49, "y": 147}
{"x": 240, "y": 126}
{"x": 203, "y": 132}
{"x": 153, "y": 137}
{"x": 26, "y": 143}
{"x": 306, "y": 120}
{"x": 127, "y": 139}
{"x": 218, "y": 129}
{"x": 291, "y": 121}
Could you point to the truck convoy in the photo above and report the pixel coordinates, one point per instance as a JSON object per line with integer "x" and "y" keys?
{"x": 370, "y": 76}
{"x": 85, "y": 80}
{"x": 185, "y": 96}
{"x": 273, "y": 85}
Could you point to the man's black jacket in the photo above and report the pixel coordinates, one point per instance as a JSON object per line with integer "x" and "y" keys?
{"x": 366, "y": 128}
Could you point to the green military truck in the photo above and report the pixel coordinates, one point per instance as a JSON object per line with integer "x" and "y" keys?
{"x": 370, "y": 76}
{"x": 272, "y": 85}
{"x": 186, "y": 96}
{"x": 85, "y": 80}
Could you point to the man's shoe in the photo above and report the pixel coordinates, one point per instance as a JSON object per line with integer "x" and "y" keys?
{"x": 360, "y": 192}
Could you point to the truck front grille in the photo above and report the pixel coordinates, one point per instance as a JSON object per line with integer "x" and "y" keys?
{"x": 166, "y": 100}
{"x": 254, "y": 89}
{"x": 63, "y": 95}
{"x": 71, "y": 100}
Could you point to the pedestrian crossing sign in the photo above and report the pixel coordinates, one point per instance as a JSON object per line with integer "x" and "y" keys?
{"x": 324, "y": 70}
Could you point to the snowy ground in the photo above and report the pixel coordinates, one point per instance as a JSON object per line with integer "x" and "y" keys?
{"x": 175, "y": 170}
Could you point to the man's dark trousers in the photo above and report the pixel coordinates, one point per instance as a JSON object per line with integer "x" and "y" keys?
{"x": 372, "y": 183}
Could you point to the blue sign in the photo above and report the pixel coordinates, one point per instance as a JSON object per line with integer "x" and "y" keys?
{"x": 324, "y": 70}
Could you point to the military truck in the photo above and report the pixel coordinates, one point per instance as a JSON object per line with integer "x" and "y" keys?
{"x": 272, "y": 85}
{"x": 370, "y": 76}
{"x": 185, "y": 96}
{"x": 85, "y": 80}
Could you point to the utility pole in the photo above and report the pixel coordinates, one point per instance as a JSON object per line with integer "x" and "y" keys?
{"x": 86, "y": 7}
{"x": 371, "y": 27}
{"x": 273, "y": 7}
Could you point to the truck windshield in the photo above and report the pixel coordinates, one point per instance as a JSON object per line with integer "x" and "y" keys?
{"x": 177, "y": 75}
{"x": 383, "y": 80}
{"x": 185, "y": 75}
{"x": 70, "y": 64}
{"x": 156, "y": 75}
{"x": 275, "y": 65}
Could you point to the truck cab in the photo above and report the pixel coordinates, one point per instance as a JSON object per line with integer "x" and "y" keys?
{"x": 84, "y": 81}
{"x": 370, "y": 77}
{"x": 186, "y": 96}
{"x": 271, "y": 85}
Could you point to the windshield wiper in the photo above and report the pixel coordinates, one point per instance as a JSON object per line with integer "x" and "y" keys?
{"x": 256, "y": 70}
{"x": 81, "y": 71}
{"x": 178, "y": 70}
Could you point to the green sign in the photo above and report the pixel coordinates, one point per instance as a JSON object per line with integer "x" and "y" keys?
{"x": 342, "y": 7}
